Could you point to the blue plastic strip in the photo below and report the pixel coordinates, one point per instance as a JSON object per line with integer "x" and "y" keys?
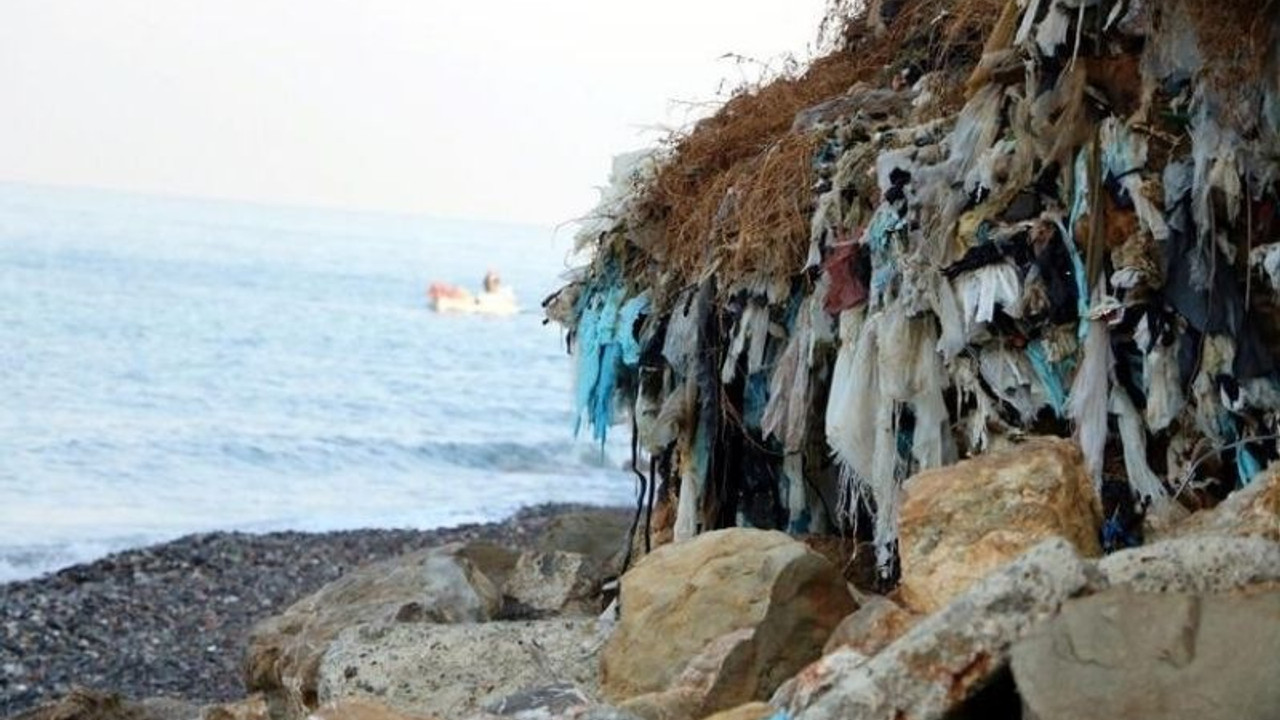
{"x": 1049, "y": 377}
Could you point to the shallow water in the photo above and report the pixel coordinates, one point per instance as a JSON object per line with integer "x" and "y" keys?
{"x": 169, "y": 366}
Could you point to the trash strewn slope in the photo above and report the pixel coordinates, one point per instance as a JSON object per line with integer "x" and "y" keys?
{"x": 971, "y": 222}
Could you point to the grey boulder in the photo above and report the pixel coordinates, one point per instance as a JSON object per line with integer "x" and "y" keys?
{"x": 1176, "y": 656}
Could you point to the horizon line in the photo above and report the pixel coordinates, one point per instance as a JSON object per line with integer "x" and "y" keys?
{"x": 179, "y": 196}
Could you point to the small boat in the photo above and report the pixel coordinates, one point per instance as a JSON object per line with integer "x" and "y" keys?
{"x": 447, "y": 298}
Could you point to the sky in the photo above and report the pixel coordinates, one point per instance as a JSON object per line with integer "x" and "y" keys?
{"x": 503, "y": 110}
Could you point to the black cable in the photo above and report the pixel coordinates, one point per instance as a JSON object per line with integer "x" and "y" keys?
{"x": 635, "y": 520}
{"x": 648, "y": 517}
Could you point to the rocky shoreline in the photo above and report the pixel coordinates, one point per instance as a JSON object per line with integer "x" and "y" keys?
{"x": 172, "y": 619}
{"x": 1009, "y": 610}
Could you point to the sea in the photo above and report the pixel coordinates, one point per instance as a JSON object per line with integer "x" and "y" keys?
{"x": 170, "y": 366}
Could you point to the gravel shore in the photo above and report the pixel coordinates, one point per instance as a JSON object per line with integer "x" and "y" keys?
{"x": 172, "y": 619}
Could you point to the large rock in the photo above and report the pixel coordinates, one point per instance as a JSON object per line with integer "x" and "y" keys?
{"x": 947, "y": 657}
{"x": 1253, "y": 510}
{"x": 439, "y": 585}
{"x": 682, "y": 597}
{"x": 452, "y": 671}
{"x": 960, "y": 522}
{"x": 1121, "y": 654}
{"x": 1193, "y": 565}
{"x": 555, "y": 583}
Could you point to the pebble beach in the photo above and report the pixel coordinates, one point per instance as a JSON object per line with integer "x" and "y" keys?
{"x": 171, "y": 619}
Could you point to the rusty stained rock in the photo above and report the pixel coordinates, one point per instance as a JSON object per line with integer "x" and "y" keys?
{"x": 947, "y": 657}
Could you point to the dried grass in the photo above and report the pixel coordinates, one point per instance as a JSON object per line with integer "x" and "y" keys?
{"x": 736, "y": 194}
{"x": 746, "y": 148}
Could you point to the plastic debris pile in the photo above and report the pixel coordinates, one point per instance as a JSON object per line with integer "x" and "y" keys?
{"x": 1086, "y": 244}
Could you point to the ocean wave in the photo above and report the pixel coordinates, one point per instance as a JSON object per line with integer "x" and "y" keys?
{"x": 23, "y": 562}
{"x": 347, "y": 452}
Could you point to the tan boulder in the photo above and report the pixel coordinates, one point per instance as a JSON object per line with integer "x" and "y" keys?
{"x": 439, "y": 585}
{"x": 959, "y": 523}
{"x": 872, "y": 627}
{"x": 1252, "y": 510}
{"x": 682, "y": 597}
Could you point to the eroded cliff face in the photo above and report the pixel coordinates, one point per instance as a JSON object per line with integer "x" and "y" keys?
{"x": 973, "y": 221}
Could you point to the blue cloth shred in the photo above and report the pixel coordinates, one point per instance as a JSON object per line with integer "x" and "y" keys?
{"x": 606, "y": 344}
{"x": 1050, "y": 377}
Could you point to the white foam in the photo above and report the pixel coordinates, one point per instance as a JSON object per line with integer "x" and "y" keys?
{"x": 27, "y": 562}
